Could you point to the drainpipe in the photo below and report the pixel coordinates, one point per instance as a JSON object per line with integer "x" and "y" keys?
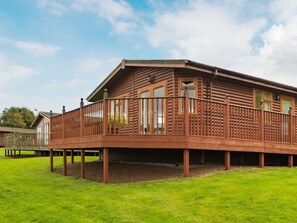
{"x": 210, "y": 84}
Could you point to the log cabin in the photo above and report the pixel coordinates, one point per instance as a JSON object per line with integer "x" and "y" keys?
{"x": 179, "y": 111}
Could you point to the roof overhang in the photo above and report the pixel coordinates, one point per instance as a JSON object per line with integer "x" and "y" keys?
{"x": 192, "y": 65}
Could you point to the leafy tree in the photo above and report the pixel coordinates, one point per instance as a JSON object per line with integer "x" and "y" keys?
{"x": 19, "y": 117}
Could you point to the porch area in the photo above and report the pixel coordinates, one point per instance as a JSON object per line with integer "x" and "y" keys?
{"x": 182, "y": 123}
{"x": 163, "y": 122}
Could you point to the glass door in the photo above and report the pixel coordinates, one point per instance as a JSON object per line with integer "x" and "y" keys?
{"x": 145, "y": 112}
{"x": 158, "y": 110}
{"x": 152, "y": 109}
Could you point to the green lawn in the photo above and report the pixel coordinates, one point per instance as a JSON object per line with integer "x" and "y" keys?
{"x": 30, "y": 193}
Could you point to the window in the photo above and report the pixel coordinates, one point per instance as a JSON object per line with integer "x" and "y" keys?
{"x": 287, "y": 102}
{"x": 189, "y": 84}
{"x": 265, "y": 97}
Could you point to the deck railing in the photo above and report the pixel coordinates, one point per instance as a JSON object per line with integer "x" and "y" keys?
{"x": 26, "y": 140}
{"x": 168, "y": 116}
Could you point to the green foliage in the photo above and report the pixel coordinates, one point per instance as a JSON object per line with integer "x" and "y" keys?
{"x": 117, "y": 120}
{"x": 18, "y": 117}
{"x": 29, "y": 192}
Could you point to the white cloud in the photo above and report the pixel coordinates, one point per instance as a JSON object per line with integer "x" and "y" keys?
{"x": 76, "y": 82}
{"x": 54, "y": 6}
{"x": 284, "y": 9}
{"x": 119, "y": 14}
{"x": 37, "y": 49}
{"x": 193, "y": 32}
{"x": 214, "y": 34}
{"x": 92, "y": 64}
{"x": 13, "y": 72}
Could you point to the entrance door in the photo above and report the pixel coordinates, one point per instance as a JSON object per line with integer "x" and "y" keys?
{"x": 152, "y": 109}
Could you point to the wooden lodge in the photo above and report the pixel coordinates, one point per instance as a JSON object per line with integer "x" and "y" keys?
{"x": 183, "y": 107}
{"x": 10, "y": 136}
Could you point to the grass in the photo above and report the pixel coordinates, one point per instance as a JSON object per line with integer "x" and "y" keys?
{"x": 30, "y": 193}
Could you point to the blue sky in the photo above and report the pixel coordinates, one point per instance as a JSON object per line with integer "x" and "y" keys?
{"x": 53, "y": 52}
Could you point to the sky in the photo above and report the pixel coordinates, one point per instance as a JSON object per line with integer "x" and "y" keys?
{"x": 54, "y": 52}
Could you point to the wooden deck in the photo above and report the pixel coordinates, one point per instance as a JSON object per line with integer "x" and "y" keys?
{"x": 164, "y": 123}
{"x": 172, "y": 123}
{"x": 26, "y": 141}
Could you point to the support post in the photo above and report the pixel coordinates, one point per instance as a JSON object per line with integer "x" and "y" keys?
{"x": 261, "y": 160}
{"x": 105, "y": 165}
{"x": 4, "y": 152}
{"x": 227, "y": 117}
{"x": 64, "y": 162}
{"x": 186, "y": 162}
{"x": 51, "y": 160}
{"x": 202, "y": 157}
{"x": 186, "y": 112}
{"x": 72, "y": 156}
{"x": 82, "y": 163}
{"x": 227, "y": 160}
{"x": 290, "y": 161}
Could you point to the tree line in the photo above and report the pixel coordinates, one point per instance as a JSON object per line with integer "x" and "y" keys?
{"x": 17, "y": 117}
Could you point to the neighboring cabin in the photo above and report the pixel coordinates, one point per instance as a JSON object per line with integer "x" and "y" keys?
{"x": 9, "y": 130}
{"x": 35, "y": 139}
{"x": 142, "y": 114}
{"x": 42, "y": 123}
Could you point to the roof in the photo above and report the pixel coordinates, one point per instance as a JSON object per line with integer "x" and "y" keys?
{"x": 42, "y": 115}
{"x": 188, "y": 64}
{"x": 16, "y": 130}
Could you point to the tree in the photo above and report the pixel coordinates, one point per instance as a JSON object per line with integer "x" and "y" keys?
{"x": 19, "y": 117}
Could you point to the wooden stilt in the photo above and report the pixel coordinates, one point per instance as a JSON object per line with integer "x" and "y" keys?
{"x": 290, "y": 160}
{"x": 72, "y": 156}
{"x": 19, "y": 152}
{"x": 202, "y": 157}
{"x": 14, "y": 152}
{"x": 82, "y": 163}
{"x": 227, "y": 160}
{"x": 186, "y": 163}
{"x": 51, "y": 160}
{"x": 105, "y": 165}
{"x": 64, "y": 162}
{"x": 261, "y": 160}
{"x": 4, "y": 152}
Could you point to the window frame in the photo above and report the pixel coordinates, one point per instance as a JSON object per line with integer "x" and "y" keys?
{"x": 262, "y": 98}
{"x": 180, "y": 88}
{"x": 287, "y": 98}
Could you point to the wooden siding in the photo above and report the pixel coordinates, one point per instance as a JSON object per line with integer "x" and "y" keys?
{"x": 136, "y": 79}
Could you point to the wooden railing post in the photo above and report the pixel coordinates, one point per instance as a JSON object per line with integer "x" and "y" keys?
{"x": 105, "y": 112}
{"x": 262, "y": 129}
{"x": 291, "y": 126}
{"x": 227, "y": 117}
{"x": 81, "y": 117}
{"x": 186, "y": 112}
{"x": 63, "y": 124}
{"x": 50, "y": 126}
